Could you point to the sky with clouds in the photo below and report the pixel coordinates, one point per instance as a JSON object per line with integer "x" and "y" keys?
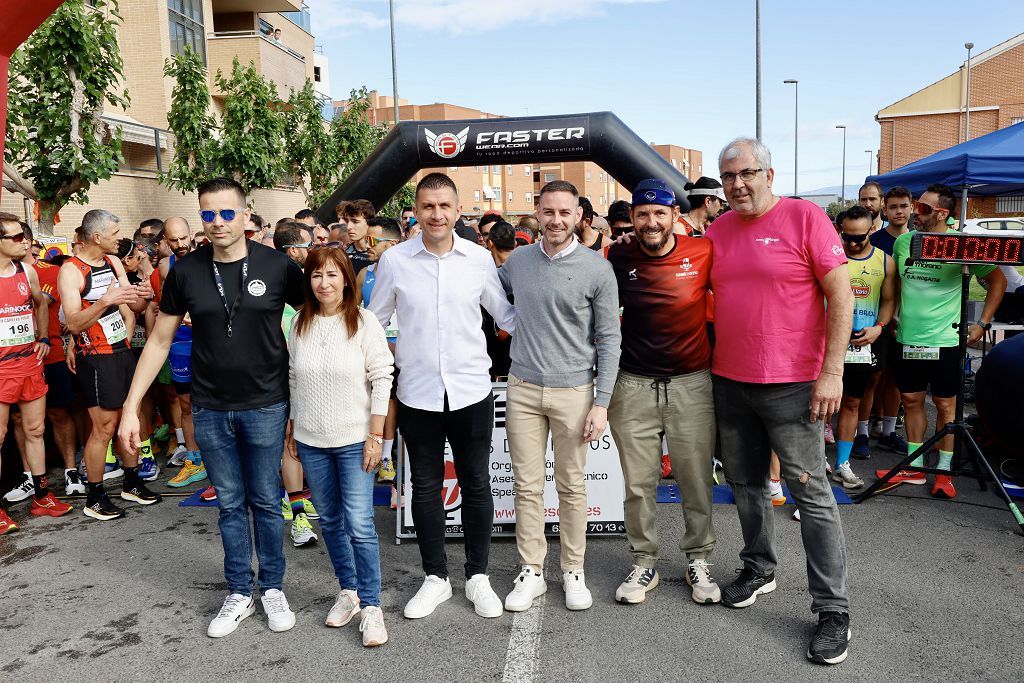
{"x": 676, "y": 71}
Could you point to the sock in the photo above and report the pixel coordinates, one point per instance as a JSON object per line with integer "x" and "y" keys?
{"x": 775, "y": 486}
{"x": 110, "y": 452}
{"x": 146, "y": 449}
{"x": 888, "y": 425}
{"x": 946, "y": 460}
{"x": 131, "y": 477}
{"x": 95, "y": 491}
{"x": 844, "y": 448}
{"x": 862, "y": 428}
{"x": 39, "y": 483}
{"x": 179, "y": 436}
{"x": 196, "y": 457}
{"x": 295, "y": 498}
{"x": 386, "y": 449}
{"x": 919, "y": 460}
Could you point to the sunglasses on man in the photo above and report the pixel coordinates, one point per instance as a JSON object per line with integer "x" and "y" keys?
{"x": 17, "y": 238}
{"x": 374, "y": 241}
{"x": 853, "y": 239}
{"x": 208, "y": 216}
{"x": 922, "y": 209}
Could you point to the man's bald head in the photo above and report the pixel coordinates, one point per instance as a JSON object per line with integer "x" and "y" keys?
{"x": 178, "y": 236}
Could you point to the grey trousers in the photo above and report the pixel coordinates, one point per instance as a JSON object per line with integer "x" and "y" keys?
{"x": 753, "y": 419}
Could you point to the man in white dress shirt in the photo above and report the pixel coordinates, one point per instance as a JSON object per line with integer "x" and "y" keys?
{"x": 437, "y": 282}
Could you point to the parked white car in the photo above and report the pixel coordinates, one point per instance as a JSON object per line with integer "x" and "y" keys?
{"x": 998, "y": 227}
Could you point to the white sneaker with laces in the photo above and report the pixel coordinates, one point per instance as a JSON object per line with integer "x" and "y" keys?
{"x": 279, "y": 616}
{"x": 432, "y": 593}
{"x": 845, "y": 476}
{"x": 485, "y": 600}
{"x": 371, "y": 624}
{"x": 22, "y": 491}
{"x": 236, "y": 607}
{"x": 577, "y": 595}
{"x": 527, "y": 586}
{"x": 705, "y": 590}
{"x": 633, "y": 590}
{"x": 343, "y": 609}
{"x": 177, "y": 458}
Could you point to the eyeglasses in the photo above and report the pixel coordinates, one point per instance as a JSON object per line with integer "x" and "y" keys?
{"x": 326, "y": 245}
{"x": 746, "y": 175}
{"x": 227, "y": 214}
{"x": 17, "y": 238}
{"x": 374, "y": 241}
{"x": 922, "y": 209}
{"x": 854, "y": 239}
{"x": 303, "y": 245}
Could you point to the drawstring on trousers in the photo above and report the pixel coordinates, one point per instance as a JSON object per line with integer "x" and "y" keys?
{"x": 660, "y": 384}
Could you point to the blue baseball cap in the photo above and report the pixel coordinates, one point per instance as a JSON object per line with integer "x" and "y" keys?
{"x": 653, "y": 191}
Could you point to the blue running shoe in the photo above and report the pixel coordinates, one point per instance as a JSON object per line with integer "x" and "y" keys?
{"x": 148, "y": 469}
{"x": 861, "y": 448}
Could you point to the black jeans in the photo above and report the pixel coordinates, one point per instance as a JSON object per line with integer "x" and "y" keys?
{"x": 468, "y": 431}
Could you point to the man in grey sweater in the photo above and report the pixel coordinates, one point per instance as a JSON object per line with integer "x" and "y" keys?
{"x": 567, "y": 320}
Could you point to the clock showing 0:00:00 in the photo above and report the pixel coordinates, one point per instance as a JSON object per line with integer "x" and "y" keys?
{"x": 955, "y": 247}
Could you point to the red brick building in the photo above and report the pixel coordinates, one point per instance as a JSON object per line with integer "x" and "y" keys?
{"x": 933, "y": 118}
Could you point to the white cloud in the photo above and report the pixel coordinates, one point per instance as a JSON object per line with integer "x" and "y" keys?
{"x": 454, "y": 17}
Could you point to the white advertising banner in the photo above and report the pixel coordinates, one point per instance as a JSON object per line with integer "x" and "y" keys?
{"x": 604, "y": 486}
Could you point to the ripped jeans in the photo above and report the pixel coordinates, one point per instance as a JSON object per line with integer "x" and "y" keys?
{"x": 754, "y": 419}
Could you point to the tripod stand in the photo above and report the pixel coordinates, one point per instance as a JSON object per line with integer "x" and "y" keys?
{"x": 963, "y": 441}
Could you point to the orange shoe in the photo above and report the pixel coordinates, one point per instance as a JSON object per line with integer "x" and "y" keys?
{"x": 943, "y": 486}
{"x": 48, "y": 505}
{"x": 208, "y": 494}
{"x": 6, "y": 523}
{"x": 904, "y": 477}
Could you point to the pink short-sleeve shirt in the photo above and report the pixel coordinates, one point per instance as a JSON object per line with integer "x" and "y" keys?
{"x": 769, "y": 302}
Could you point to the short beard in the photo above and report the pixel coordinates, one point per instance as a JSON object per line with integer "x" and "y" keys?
{"x": 655, "y": 246}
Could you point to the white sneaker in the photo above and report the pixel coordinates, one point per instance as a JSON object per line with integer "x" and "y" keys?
{"x": 577, "y": 595}
{"x": 177, "y": 458}
{"x": 845, "y": 476}
{"x": 527, "y": 586}
{"x": 73, "y": 485}
{"x": 705, "y": 590}
{"x": 796, "y": 515}
{"x": 776, "y": 492}
{"x": 633, "y": 590}
{"x": 432, "y": 593}
{"x": 22, "y": 490}
{"x": 343, "y": 609}
{"x": 236, "y": 607}
{"x": 279, "y": 616}
{"x": 372, "y": 626}
{"x": 302, "y": 531}
{"x": 485, "y": 600}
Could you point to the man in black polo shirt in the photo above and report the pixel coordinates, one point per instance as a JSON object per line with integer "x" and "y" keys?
{"x": 234, "y": 291}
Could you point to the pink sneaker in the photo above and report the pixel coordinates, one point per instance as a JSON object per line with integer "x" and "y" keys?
{"x": 830, "y": 438}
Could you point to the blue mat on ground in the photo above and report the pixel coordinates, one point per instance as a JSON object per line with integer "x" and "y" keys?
{"x": 381, "y": 497}
{"x": 1013, "y": 490}
{"x": 669, "y": 493}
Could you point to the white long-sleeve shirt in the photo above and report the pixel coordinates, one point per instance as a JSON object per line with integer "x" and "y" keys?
{"x": 441, "y": 348}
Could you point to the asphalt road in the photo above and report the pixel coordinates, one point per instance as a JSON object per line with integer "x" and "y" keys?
{"x": 936, "y": 590}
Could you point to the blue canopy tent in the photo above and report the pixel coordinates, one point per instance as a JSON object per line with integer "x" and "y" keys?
{"x": 990, "y": 165}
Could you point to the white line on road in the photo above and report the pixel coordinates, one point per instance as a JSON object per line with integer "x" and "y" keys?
{"x": 524, "y": 644}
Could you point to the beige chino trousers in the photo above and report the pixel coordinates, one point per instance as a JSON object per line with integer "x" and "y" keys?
{"x": 683, "y": 408}
{"x": 533, "y": 412}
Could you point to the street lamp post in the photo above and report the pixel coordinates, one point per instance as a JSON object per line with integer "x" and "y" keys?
{"x": 796, "y": 134}
{"x": 871, "y": 154}
{"x": 757, "y": 65}
{"x": 394, "y": 60}
{"x": 842, "y": 188}
{"x": 967, "y": 116}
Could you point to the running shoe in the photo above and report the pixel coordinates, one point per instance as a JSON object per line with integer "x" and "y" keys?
{"x": 861, "y": 447}
{"x": 387, "y": 470}
{"x": 666, "y": 467}
{"x": 894, "y": 442}
{"x": 178, "y": 457}
{"x": 6, "y": 523}
{"x": 148, "y": 469}
{"x": 73, "y": 485}
{"x": 394, "y": 498}
{"x": 830, "y": 644}
{"x": 845, "y": 476}
{"x": 748, "y": 585}
{"x": 905, "y": 477}
{"x": 830, "y": 437}
{"x": 189, "y": 474}
{"x": 634, "y": 588}
{"x": 943, "y": 487}
{"x": 103, "y": 509}
{"x": 208, "y": 494}
{"x": 140, "y": 494}
{"x": 705, "y": 590}
{"x": 22, "y": 491}
{"x": 307, "y": 507}
{"x": 49, "y": 506}
{"x": 371, "y": 624}
{"x": 286, "y": 510}
{"x": 302, "y": 532}
{"x": 111, "y": 470}
{"x": 775, "y": 489}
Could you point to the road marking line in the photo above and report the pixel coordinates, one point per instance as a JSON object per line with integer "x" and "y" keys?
{"x": 524, "y": 644}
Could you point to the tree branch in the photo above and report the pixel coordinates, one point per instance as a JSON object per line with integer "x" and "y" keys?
{"x": 19, "y": 183}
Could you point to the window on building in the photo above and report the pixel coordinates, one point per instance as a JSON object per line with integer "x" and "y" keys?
{"x": 510, "y": 197}
{"x": 1016, "y": 119}
{"x": 600, "y": 177}
{"x": 508, "y": 169}
{"x": 550, "y": 177}
{"x": 476, "y": 169}
{"x": 1010, "y": 204}
{"x": 528, "y": 198}
{"x": 453, "y": 169}
{"x": 186, "y": 26}
{"x": 476, "y": 195}
{"x": 588, "y": 175}
{"x": 495, "y": 169}
{"x": 316, "y": 74}
{"x": 526, "y": 171}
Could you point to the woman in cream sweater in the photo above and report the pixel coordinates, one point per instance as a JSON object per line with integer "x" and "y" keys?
{"x": 340, "y": 372}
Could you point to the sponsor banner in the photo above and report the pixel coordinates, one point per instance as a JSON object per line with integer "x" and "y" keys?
{"x": 463, "y": 143}
{"x": 604, "y": 486}
{"x": 53, "y": 246}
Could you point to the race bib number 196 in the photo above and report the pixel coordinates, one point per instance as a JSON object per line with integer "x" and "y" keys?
{"x": 17, "y": 330}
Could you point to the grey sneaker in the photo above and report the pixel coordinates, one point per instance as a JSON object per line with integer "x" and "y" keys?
{"x": 845, "y": 476}
{"x": 633, "y": 590}
{"x": 705, "y": 590}
{"x": 344, "y": 608}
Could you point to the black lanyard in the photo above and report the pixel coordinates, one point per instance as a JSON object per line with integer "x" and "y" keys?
{"x": 233, "y": 309}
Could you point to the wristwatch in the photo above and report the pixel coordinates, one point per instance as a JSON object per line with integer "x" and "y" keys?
{"x": 43, "y": 340}
{"x": 374, "y": 437}
{"x": 985, "y": 326}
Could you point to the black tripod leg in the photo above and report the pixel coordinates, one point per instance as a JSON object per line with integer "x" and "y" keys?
{"x": 925, "y": 447}
{"x": 980, "y": 460}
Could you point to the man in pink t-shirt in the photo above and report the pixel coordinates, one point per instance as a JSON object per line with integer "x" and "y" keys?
{"x": 783, "y": 314}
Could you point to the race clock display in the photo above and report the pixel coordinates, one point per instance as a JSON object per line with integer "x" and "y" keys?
{"x": 956, "y": 247}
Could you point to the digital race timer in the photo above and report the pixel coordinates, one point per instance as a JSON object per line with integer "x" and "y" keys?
{"x": 956, "y": 247}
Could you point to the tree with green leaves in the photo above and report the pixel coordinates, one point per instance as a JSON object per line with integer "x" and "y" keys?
{"x": 190, "y": 121}
{"x": 60, "y": 79}
{"x": 837, "y": 207}
{"x": 310, "y": 151}
{"x": 250, "y": 148}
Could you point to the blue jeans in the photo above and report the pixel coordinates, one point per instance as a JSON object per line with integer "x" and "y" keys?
{"x": 344, "y": 498}
{"x": 242, "y": 451}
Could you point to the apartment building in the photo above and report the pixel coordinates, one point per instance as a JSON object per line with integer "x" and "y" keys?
{"x": 512, "y": 188}
{"x": 934, "y": 117}
{"x": 273, "y": 34}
